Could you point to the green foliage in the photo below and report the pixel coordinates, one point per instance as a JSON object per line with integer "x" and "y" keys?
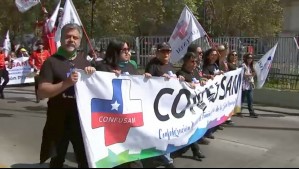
{"x": 155, "y": 17}
{"x": 245, "y": 17}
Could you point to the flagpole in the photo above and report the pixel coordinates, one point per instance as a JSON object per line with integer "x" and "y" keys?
{"x": 210, "y": 41}
{"x": 88, "y": 40}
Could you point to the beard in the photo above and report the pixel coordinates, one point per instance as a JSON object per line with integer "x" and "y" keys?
{"x": 70, "y": 47}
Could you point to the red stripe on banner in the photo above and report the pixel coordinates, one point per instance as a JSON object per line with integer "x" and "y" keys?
{"x": 116, "y": 123}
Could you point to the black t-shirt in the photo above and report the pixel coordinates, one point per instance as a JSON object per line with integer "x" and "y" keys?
{"x": 157, "y": 68}
{"x": 57, "y": 69}
{"x": 231, "y": 66}
{"x": 189, "y": 75}
{"x": 102, "y": 66}
{"x": 210, "y": 69}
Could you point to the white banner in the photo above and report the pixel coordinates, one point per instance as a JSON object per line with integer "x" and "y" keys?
{"x": 187, "y": 30}
{"x": 20, "y": 71}
{"x": 263, "y": 66}
{"x": 70, "y": 15}
{"x": 25, "y": 5}
{"x": 130, "y": 117}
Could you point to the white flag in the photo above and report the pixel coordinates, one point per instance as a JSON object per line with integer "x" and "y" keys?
{"x": 6, "y": 44}
{"x": 53, "y": 18}
{"x": 263, "y": 66}
{"x": 187, "y": 30}
{"x": 70, "y": 15}
{"x": 25, "y": 5}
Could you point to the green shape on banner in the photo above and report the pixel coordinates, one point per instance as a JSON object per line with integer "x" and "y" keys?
{"x": 113, "y": 159}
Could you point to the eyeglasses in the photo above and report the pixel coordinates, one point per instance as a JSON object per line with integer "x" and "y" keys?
{"x": 200, "y": 53}
{"x": 234, "y": 54}
{"x": 165, "y": 51}
{"x": 125, "y": 50}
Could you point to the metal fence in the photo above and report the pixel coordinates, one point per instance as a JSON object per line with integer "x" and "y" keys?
{"x": 284, "y": 73}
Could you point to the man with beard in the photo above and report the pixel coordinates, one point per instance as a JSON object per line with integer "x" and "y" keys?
{"x": 57, "y": 79}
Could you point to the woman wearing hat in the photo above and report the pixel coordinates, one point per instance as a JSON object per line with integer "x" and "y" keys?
{"x": 23, "y": 53}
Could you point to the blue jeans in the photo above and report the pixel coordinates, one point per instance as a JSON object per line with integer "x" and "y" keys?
{"x": 249, "y": 97}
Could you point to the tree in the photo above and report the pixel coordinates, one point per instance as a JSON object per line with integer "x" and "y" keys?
{"x": 156, "y": 17}
{"x": 245, "y": 17}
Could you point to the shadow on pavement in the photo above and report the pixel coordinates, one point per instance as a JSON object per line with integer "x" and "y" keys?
{"x": 5, "y": 115}
{"x": 266, "y": 115}
{"x": 22, "y": 92}
{"x": 18, "y": 99}
{"x": 36, "y": 108}
{"x": 189, "y": 157}
{"x": 152, "y": 162}
{"x": 35, "y": 165}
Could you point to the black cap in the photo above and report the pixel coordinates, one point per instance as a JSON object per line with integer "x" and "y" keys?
{"x": 39, "y": 42}
{"x": 164, "y": 46}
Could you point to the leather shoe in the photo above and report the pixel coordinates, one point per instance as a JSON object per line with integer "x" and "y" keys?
{"x": 169, "y": 165}
{"x": 253, "y": 115}
{"x": 220, "y": 127}
{"x": 203, "y": 141}
{"x": 1, "y": 95}
{"x": 196, "y": 157}
{"x": 210, "y": 136}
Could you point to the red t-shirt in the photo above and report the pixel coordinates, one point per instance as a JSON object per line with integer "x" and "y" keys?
{"x": 37, "y": 58}
{"x": 2, "y": 61}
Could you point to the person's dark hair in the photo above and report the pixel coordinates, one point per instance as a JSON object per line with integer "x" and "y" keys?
{"x": 188, "y": 56}
{"x": 102, "y": 50}
{"x": 112, "y": 53}
{"x": 193, "y": 48}
{"x": 245, "y": 59}
{"x": 206, "y": 60}
{"x": 230, "y": 56}
{"x": 71, "y": 26}
{"x": 39, "y": 42}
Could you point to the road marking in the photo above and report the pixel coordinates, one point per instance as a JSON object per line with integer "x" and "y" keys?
{"x": 244, "y": 145}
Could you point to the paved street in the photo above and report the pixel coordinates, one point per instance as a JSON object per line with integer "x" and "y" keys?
{"x": 268, "y": 141}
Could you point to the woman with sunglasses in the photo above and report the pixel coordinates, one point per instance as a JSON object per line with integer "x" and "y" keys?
{"x": 248, "y": 83}
{"x": 117, "y": 59}
{"x": 211, "y": 69}
{"x": 232, "y": 60}
{"x": 191, "y": 75}
{"x": 232, "y": 64}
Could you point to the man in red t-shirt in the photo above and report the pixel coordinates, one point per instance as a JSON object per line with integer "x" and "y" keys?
{"x": 36, "y": 61}
{"x": 3, "y": 73}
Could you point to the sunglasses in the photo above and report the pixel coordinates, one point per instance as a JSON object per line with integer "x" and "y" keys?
{"x": 125, "y": 49}
{"x": 234, "y": 54}
{"x": 165, "y": 51}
